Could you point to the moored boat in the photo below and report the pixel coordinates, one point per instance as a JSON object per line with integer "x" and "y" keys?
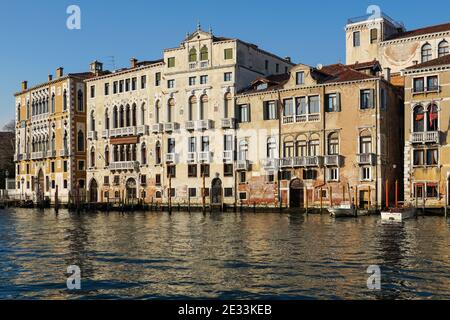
{"x": 398, "y": 214}
{"x": 344, "y": 210}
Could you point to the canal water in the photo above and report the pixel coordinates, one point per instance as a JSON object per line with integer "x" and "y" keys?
{"x": 225, "y": 256}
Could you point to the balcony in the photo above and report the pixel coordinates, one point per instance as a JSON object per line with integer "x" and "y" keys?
{"x": 170, "y": 157}
{"x": 120, "y": 132}
{"x": 314, "y": 161}
{"x": 142, "y": 130}
{"x": 205, "y": 124}
{"x": 204, "y": 64}
{"x": 228, "y": 123}
{"x": 228, "y": 156}
{"x": 366, "y": 159}
{"x": 301, "y": 118}
{"x": 242, "y": 165}
{"x": 51, "y": 154}
{"x": 299, "y": 162}
{"x": 124, "y": 165}
{"x": 192, "y": 157}
{"x": 333, "y": 161}
{"x": 64, "y": 153}
{"x": 158, "y": 128}
{"x": 92, "y": 135}
{"x": 270, "y": 164}
{"x": 205, "y": 157}
{"x": 105, "y": 134}
{"x": 170, "y": 126}
{"x": 431, "y": 89}
{"x": 190, "y": 125}
{"x": 37, "y": 155}
{"x": 286, "y": 162}
{"x": 25, "y": 156}
{"x": 16, "y": 157}
{"x": 425, "y": 137}
{"x": 192, "y": 65}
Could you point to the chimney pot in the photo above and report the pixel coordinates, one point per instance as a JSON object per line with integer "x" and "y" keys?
{"x": 50, "y": 77}
{"x": 387, "y": 74}
{"x": 133, "y": 62}
{"x": 59, "y": 72}
{"x": 24, "y": 85}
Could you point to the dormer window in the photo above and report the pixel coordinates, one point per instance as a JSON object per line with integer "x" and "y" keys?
{"x": 261, "y": 86}
{"x": 300, "y": 78}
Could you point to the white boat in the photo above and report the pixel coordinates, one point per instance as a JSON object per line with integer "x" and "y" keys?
{"x": 398, "y": 214}
{"x": 344, "y": 210}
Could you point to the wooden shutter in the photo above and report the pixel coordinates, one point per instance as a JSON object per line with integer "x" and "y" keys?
{"x": 338, "y": 102}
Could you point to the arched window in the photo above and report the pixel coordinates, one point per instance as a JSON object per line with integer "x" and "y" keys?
{"x": 193, "y": 55}
{"x": 288, "y": 147}
{"x": 204, "y": 53}
{"x": 365, "y": 142}
{"x": 333, "y": 144}
{"x": 433, "y": 118}
{"x": 227, "y": 107}
{"x": 18, "y": 113}
{"x": 143, "y": 114}
{"x": 121, "y": 117}
{"x": 53, "y": 103}
{"x": 158, "y": 153}
{"x": 419, "y": 118}
{"x": 115, "y": 118}
{"x": 127, "y": 116}
{"x": 272, "y": 148}
{"x": 116, "y": 153}
{"x": 80, "y": 101}
{"x": 170, "y": 106}
{"x": 313, "y": 146}
{"x": 106, "y": 156}
{"x": 192, "y": 108}
{"x": 133, "y": 115}
{"x": 92, "y": 157}
{"x": 301, "y": 146}
{"x": 65, "y": 145}
{"x": 443, "y": 48}
{"x": 106, "y": 119}
{"x": 80, "y": 141}
{"x": 157, "y": 110}
{"x": 28, "y": 109}
{"x": 143, "y": 154}
{"x": 243, "y": 150}
{"x": 92, "y": 121}
{"x": 65, "y": 100}
{"x": 203, "y": 107}
{"x": 426, "y": 52}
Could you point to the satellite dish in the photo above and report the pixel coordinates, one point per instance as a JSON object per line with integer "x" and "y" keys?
{"x": 319, "y": 66}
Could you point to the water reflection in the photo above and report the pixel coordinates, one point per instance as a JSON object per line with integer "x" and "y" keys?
{"x": 233, "y": 255}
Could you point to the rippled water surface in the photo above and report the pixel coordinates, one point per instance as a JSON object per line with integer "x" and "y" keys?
{"x": 227, "y": 256}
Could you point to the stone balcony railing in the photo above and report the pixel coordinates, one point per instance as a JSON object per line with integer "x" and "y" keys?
{"x": 171, "y": 157}
{"x": 228, "y": 156}
{"x": 425, "y": 137}
{"x": 124, "y": 165}
{"x": 37, "y": 155}
{"x": 170, "y": 126}
{"x": 205, "y": 156}
{"x": 366, "y": 159}
{"x": 64, "y": 153}
{"x": 120, "y": 132}
{"x": 92, "y": 135}
{"x": 192, "y": 157}
{"x": 286, "y": 162}
{"x": 270, "y": 164}
{"x": 314, "y": 161}
{"x": 158, "y": 128}
{"x": 242, "y": 165}
{"x": 105, "y": 134}
{"x": 142, "y": 130}
{"x": 228, "y": 123}
{"x": 205, "y": 124}
{"x": 51, "y": 153}
{"x": 302, "y": 118}
{"x": 333, "y": 161}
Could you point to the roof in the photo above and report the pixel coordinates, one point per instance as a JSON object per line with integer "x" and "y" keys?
{"x": 444, "y": 60}
{"x": 342, "y": 73}
{"x": 365, "y": 65}
{"x": 421, "y": 31}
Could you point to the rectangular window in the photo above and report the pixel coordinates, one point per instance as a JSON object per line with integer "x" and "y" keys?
{"x": 53, "y": 184}
{"x": 170, "y": 84}
{"x": 192, "y": 81}
{"x": 92, "y": 91}
{"x": 204, "y": 170}
{"x": 192, "y": 171}
{"x": 309, "y": 174}
{"x": 158, "y": 180}
{"x": 242, "y": 177}
{"x": 134, "y": 83}
{"x": 121, "y": 82}
{"x": 366, "y": 99}
{"x": 314, "y": 104}
{"x": 242, "y": 195}
{"x": 127, "y": 85}
{"x": 193, "y": 192}
{"x": 116, "y": 180}
{"x": 227, "y": 169}
{"x": 356, "y": 39}
{"x": 171, "y": 171}
{"x": 270, "y": 177}
{"x": 228, "y": 54}
{"x": 81, "y": 165}
{"x": 143, "y": 82}
{"x": 157, "y": 79}
{"x": 203, "y": 79}
{"x": 115, "y": 84}
{"x": 65, "y": 184}
{"x": 65, "y": 166}
{"x": 300, "y": 78}
{"x": 106, "y": 180}
{"x": 288, "y": 107}
{"x": 106, "y": 89}
{"x": 171, "y": 62}
{"x": 432, "y": 83}
{"x": 333, "y": 174}
{"x": 266, "y": 65}
{"x": 286, "y": 175}
{"x": 227, "y": 76}
{"x": 418, "y": 85}
{"x": 270, "y": 110}
{"x": 143, "y": 180}
{"x": 277, "y": 68}
{"x": 333, "y": 102}
{"x": 228, "y": 192}
{"x": 366, "y": 174}
{"x": 228, "y": 142}
{"x": 432, "y": 157}
{"x": 373, "y": 35}
{"x": 172, "y": 192}
{"x": 244, "y": 113}
{"x": 418, "y": 157}
{"x": 432, "y": 190}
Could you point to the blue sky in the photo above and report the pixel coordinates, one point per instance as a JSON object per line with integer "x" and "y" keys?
{"x": 34, "y": 40}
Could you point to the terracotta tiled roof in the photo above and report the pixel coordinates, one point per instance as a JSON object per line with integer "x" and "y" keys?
{"x": 365, "y": 65}
{"x": 342, "y": 73}
{"x": 445, "y": 60}
{"x": 421, "y": 31}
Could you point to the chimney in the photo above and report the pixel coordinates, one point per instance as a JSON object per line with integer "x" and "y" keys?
{"x": 96, "y": 67}
{"x": 59, "y": 72}
{"x": 50, "y": 77}
{"x": 24, "y": 85}
{"x": 133, "y": 62}
{"x": 288, "y": 59}
{"x": 387, "y": 74}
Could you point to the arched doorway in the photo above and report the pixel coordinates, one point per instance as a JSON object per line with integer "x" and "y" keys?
{"x": 131, "y": 189}
{"x": 216, "y": 191}
{"x": 93, "y": 191}
{"x": 296, "y": 194}
{"x": 40, "y": 188}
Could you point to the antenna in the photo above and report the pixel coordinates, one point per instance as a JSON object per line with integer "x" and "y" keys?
{"x": 112, "y": 62}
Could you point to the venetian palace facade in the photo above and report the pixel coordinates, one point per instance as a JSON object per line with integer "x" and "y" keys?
{"x": 220, "y": 121}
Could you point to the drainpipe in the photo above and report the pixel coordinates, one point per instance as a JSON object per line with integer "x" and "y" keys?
{"x": 280, "y": 117}
{"x": 377, "y": 183}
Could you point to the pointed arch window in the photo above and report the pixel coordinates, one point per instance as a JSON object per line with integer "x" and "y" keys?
{"x": 53, "y": 103}
{"x": 80, "y": 101}
{"x": 106, "y": 156}
{"x": 92, "y": 121}
{"x": 65, "y": 100}
{"x": 157, "y": 111}
{"x": 80, "y": 141}
{"x": 106, "y": 119}
{"x": 92, "y": 157}
{"x": 143, "y": 154}
{"x": 143, "y": 114}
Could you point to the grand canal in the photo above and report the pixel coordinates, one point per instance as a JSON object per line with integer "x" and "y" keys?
{"x": 225, "y": 256}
